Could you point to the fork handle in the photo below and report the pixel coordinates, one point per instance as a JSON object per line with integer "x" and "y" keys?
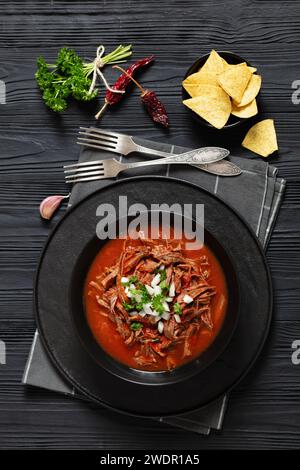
{"x": 149, "y": 151}
{"x": 198, "y": 156}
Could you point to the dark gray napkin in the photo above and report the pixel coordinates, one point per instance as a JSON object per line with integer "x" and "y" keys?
{"x": 256, "y": 195}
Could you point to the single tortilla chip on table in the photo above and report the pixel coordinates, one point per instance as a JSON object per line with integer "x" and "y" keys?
{"x": 235, "y": 80}
{"x": 261, "y": 138}
{"x": 251, "y": 91}
{"x": 213, "y": 105}
{"x": 245, "y": 111}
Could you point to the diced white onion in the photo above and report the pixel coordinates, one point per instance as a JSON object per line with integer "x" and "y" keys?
{"x": 156, "y": 313}
{"x": 187, "y": 299}
{"x": 147, "y": 308}
{"x": 133, "y": 313}
{"x": 127, "y": 292}
{"x": 157, "y": 290}
{"x": 155, "y": 280}
{"x": 132, "y": 286}
{"x": 160, "y": 327}
{"x": 138, "y": 297}
{"x": 142, "y": 313}
{"x": 169, "y": 299}
{"x": 149, "y": 289}
{"x": 124, "y": 280}
{"x": 166, "y": 306}
{"x": 172, "y": 290}
{"x": 177, "y": 318}
{"x": 165, "y": 316}
{"x": 162, "y": 267}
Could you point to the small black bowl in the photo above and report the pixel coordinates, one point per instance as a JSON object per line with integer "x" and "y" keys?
{"x": 183, "y": 372}
{"x": 231, "y": 58}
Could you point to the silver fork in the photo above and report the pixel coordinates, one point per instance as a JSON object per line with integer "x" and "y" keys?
{"x": 102, "y": 169}
{"x": 124, "y": 144}
{"x": 118, "y": 143}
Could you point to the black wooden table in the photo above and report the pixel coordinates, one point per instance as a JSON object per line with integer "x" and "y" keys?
{"x": 34, "y": 144}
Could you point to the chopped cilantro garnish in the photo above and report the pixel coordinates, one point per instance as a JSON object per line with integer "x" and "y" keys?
{"x": 164, "y": 286}
{"x": 136, "y": 325}
{"x": 162, "y": 272}
{"x": 128, "y": 306}
{"x": 177, "y": 308}
{"x": 157, "y": 303}
{"x": 130, "y": 281}
{"x": 144, "y": 294}
{"x": 139, "y": 307}
{"x": 139, "y": 297}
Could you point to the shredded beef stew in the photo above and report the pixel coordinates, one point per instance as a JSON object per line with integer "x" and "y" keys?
{"x": 152, "y": 304}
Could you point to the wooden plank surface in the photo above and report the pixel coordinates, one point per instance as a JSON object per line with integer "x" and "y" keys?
{"x": 34, "y": 143}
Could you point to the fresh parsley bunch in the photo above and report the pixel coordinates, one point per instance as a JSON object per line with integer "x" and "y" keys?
{"x": 69, "y": 77}
{"x": 63, "y": 79}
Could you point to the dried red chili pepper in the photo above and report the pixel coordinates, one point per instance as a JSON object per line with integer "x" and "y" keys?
{"x": 154, "y": 106}
{"x": 122, "y": 83}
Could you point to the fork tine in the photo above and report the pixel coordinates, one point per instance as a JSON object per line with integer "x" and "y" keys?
{"x": 106, "y": 143}
{"x": 90, "y": 178}
{"x": 84, "y": 173}
{"x": 83, "y": 167}
{"x": 100, "y": 147}
{"x": 88, "y": 164}
{"x": 104, "y": 138}
{"x": 112, "y": 135}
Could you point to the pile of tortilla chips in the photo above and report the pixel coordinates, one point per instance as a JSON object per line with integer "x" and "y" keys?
{"x": 219, "y": 89}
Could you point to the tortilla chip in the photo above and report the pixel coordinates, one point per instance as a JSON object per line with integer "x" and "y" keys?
{"x": 261, "y": 138}
{"x": 192, "y": 79}
{"x": 214, "y": 64}
{"x": 225, "y": 64}
{"x": 251, "y": 91}
{"x": 201, "y": 89}
{"x": 213, "y": 105}
{"x": 191, "y": 88}
{"x": 196, "y": 79}
{"x": 252, "y": 69}
{"x": 245, "y": 111}
{"x": 235, "y": 80}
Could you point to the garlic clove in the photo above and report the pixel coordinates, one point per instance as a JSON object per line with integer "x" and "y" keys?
{"x": 49, "y": 205}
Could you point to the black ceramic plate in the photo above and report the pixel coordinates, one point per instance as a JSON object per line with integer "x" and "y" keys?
{"x": 58, "y": 301}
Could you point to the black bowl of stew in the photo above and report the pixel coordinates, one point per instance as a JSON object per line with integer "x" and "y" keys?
{"x": 155, "y": 357}
{"x": 71, "y": 345}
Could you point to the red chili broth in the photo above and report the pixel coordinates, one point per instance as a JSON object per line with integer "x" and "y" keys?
{"x": 104, "y": 330}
